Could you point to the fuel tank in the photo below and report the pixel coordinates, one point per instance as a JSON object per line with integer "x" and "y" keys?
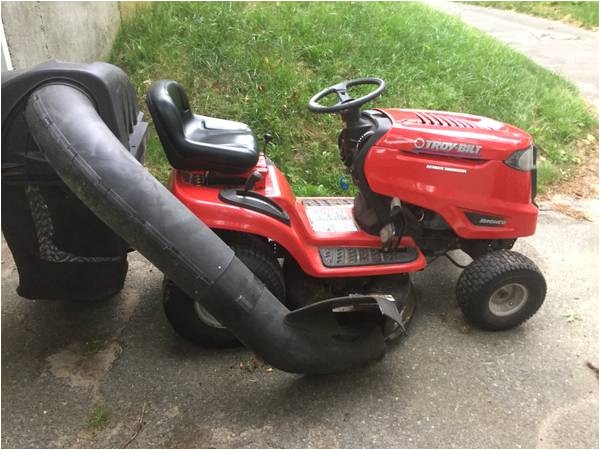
{"x": 452, "y": 134}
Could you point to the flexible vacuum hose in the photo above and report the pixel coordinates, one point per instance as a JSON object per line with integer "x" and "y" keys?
{"x": 117, "y": 188}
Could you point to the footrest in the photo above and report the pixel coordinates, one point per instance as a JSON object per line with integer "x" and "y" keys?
{"x": 359, "y": 256}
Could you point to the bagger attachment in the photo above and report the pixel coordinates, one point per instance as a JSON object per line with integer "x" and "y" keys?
{"x": 326, "y": 337}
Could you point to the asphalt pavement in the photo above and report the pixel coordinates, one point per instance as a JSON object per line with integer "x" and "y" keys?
{"x": 114, "y": 373}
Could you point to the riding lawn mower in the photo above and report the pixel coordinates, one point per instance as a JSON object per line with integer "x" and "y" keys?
{"x": 311, "y": 284}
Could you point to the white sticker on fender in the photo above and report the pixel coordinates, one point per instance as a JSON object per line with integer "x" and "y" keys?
{"x": 330, "y": 218}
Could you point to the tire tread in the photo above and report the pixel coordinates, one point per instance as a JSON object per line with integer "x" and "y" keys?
{"x": 485, "y": 270}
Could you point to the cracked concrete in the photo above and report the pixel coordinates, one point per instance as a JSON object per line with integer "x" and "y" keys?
{"x": 447, "y": 385}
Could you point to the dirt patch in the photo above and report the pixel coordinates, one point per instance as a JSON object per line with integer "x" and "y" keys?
{"x": 583, "y": 182}
{"x": 568, "y": 210}
{"x": 84, "y": 365}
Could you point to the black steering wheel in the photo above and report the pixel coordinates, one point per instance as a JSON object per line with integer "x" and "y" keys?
{"x": 346, "y": 102}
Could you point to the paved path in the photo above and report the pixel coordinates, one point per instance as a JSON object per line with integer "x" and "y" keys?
{"x": 446, "y": 386}
{"x": 567, "y": 50}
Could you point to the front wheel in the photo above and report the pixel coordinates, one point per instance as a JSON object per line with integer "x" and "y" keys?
{"x": 191, "y": 320}
{"x": 500, "y": 290}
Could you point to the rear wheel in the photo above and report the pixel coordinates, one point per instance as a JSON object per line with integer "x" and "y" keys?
{"x": 191, "y": 320}
{"x": 500, "y": 290}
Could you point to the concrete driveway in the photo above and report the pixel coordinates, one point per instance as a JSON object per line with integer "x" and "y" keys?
{"x": 102, "y": 374}
{"x": 567, "y": 50}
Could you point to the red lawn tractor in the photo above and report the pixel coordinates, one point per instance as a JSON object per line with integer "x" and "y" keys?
{"x": 428, "y": 182}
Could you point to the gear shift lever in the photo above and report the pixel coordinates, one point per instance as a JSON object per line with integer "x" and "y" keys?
{"x": 252, "y": 180}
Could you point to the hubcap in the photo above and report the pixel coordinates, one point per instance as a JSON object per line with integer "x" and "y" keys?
{"x": 205, "y": 316}
{"x": 508, "y": 299}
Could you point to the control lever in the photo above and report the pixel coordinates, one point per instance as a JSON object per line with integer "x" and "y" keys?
{"x": 268, "y": 137}
{"x": 395, "y": 208}
{"x": 387, "y": 235}
{"x": 254, "y": 178}
{"x": 391, "y": 234}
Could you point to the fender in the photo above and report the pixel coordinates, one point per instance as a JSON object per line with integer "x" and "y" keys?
{"x": 298, "y": 238}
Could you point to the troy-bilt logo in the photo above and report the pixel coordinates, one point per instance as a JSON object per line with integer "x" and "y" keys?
{"x": 429, "y": 145}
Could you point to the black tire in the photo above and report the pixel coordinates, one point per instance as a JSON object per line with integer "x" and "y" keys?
{"x": 183, "y": 313}
{"x": 500, "y": 290}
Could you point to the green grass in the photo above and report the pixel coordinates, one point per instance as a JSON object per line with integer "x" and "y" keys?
{"x": 259, "y": 63}
{"x": 99, "y": 418}
{"x": 583, "y": 14}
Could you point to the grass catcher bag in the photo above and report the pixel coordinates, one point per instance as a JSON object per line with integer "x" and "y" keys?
{"x": 61, "y": 249}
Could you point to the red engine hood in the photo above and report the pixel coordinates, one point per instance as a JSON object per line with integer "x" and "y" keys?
{"x": 452, "y": 134}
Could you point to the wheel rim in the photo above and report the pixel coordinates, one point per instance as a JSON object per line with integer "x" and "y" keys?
{"x": 508, "y": 299}
{"x": 206, "y": 317}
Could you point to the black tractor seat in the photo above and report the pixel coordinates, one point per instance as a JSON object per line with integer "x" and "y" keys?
{"x": 194, "y": 142}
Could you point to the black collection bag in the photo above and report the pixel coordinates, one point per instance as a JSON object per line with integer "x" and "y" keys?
{"x": 61, "y": 249}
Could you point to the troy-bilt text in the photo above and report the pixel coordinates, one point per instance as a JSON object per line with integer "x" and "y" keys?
{"x": 446, "y": 147}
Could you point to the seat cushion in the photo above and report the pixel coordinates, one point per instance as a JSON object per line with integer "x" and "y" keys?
{"x": 195, "y": 142}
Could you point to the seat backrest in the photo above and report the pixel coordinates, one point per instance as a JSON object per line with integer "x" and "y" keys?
{"x": 194, "y": 142}
{"x": 170, "y": 110}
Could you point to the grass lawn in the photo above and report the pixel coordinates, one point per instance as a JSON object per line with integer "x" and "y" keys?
{"x": 582, "y": 14}
{"x": 259, "y": 63}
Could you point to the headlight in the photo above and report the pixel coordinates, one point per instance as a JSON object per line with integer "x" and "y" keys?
{"x": 522, "y": 160}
